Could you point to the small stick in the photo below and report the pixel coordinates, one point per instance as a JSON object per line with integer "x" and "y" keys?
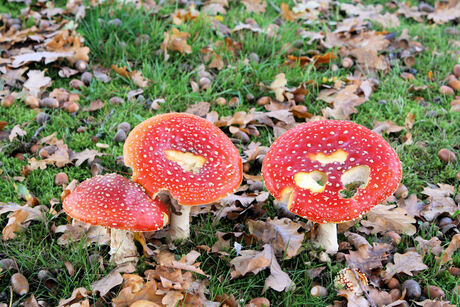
{"x": 371, "y": 301}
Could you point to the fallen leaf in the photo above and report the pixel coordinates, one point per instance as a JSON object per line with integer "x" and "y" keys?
{"x": 95, "y": 105}
{"x": 439, "y": 201}
{"x": 15, "y": 132}
{"x": 450, "y": 250}
{"x": 104, "y": 285}
{"x": 67, "y": 41}
{"x": 127, "y": 295}
{"x": 200, "y": 108}
{"x": 48, "y": 56}
{"x": 344, "y": 101}
{"x": 87, "y": 154}
{"x": 383, "y": 218}
{"x": 432, "y": 246}
{"x": 404, "y": 263}
{"x": 36, "y": 82}
{"x": 367, "y": 258}
{"x": 77, "y": 295}
{"x": 252, "y": 261}
{"x": 281, "y": 234}
{"x": 175, "y": 41}
{"x": 256, "y": 6}
{"x": 445, "y": 11}
{"x": 278, "y": 86}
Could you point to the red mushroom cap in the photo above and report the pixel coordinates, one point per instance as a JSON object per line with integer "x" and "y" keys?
{"x": 186, "y": 155}
{"x": 115, "y": 202}
{"x": 313, "y": 163}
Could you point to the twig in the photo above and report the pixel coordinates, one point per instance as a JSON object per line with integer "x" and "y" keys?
{"x": 371, "y": 301}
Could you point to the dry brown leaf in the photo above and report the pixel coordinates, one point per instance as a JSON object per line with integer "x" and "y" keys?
{"x": 439, "y": 201}
{"x": 61, "y": 157}
{"x": 252, "y": 261}
{"x": 367, "y": 258}
{"x": 214, "y": 7}
{"x": 434, "y": 303}
{"x": 87, "y": 154}
{"x": 15, "y": 132}
{"x": 127, "y": 295}
{"x": 256, "y": 6}
{"x": 404, "y": 263}
{"x": 77, "y": 295}
{"x": 12, "y": 76}
{"x": 344, "y": 101}
{"x": 183, "y": 15}
{"x": 450, "y": 250}
{"x": 281, "y": 234}
{"x": 104, "y": 285}
{"x": 77, "y": 231}
{"x": 175, "y": 41}
{"x": 387, "y": 126}
{"x": 172, "y": 298}
{"x": 134, "y": 75}
{"x": 48, "y": 56}
{"x": 445, "y": 11}
{"x": 19, "y": 216}
{"x": 36, "y": 82}
{"x": 409, "y": 11}
{"x": 200, "y": 108}
{"x": 412, "y": 205}
{"x": 383, "y": 218}
{"x": 278, "y": 86}
{"x": 95, "y": 105}
{"x": 66, "y": 41}
{"x": 429, "y": 246}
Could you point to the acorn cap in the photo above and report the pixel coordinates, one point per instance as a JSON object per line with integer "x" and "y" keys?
{"x": 113, "y": 201}
{"x": 186, "y": 155}
{"x": 313, "y": 164}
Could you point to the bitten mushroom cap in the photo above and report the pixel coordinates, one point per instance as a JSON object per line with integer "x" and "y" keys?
{"x": 312, "y": 164}
{"x": 186, "y": 155}
{"x": 113, "y": 201}
{"x": 347, "y": 280}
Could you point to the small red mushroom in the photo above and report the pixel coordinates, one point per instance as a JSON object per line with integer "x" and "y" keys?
{"x": 347, "y": 280}
{"x": 187, "y": 156}
{"x": 120, "y": 204}
{"x": 315, "y": 167}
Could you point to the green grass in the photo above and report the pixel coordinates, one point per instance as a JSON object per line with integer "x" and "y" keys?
{"x": 36, "y": 247}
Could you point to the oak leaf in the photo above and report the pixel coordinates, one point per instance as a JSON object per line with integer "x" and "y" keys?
{"x": 256, "y": 6}
{"x": 383, "y": 218}
{"x": 450, "y": 250}
{"x": 36, "y": 82}
{"x": 404, "y": 263}
{"x": 104, "y": 285}
{"x": 281, "y": 234}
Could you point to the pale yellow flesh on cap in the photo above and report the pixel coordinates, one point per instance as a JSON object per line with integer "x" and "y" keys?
{"x": 188, "y": 161}
{"x": 337, "y": 156}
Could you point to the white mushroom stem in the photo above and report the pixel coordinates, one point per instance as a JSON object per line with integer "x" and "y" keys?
{"x": 180, "y": 224}
{"x": 326, "y": 237}
{"x": 122, "y": 247}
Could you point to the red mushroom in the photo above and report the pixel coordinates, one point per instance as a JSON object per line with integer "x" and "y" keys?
{"x": 312, "y": 167}
{"x": 120, "y": 204}
{"x": 187, "y": 156}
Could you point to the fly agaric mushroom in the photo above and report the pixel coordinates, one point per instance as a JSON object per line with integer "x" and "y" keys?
{"x": 120, "y": 204}
{"x": 187, "y": 156}
{"x": 315, "y": 166}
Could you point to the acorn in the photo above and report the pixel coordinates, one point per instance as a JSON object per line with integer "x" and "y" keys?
{"x": 120, "y": 136}
{"x": 233, "y": 102}
{"x": 76, "y": 84}
{"x": 125, "y": 126}
{"x": 456, "y": 70}
{"x": 318, "y": 291}
{"x": 263, "y": 101}
{"x": 70, "y": 107}
{"x": 347, "y": 62}
{"x": 434, "y": 292}
{"x": 204, "y": 83}
{"x": 61, "y": 179}
{"x": 81, "y": 65}
{"x": 32, "y": 102}
{"x": 20, "y": 284}
{"x": 455, "y": 84}
{"x": 413, "y": 290}
{"x": 445, "y": 90}
{"x": 86, "y": 77}
{"x": 49, "y": 103}
{"x": 221, "y": 101}
{"x": 446, "y": 155}
{"x": 8, "y": 101}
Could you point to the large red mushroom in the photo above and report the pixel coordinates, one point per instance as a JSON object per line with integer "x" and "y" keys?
{"x": 187, "y": 156}
{"x": 330, "y": 172}
{"x": 120, "y": 204}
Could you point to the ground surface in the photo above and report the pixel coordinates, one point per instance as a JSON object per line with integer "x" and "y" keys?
{"x": 234, "y": 53}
